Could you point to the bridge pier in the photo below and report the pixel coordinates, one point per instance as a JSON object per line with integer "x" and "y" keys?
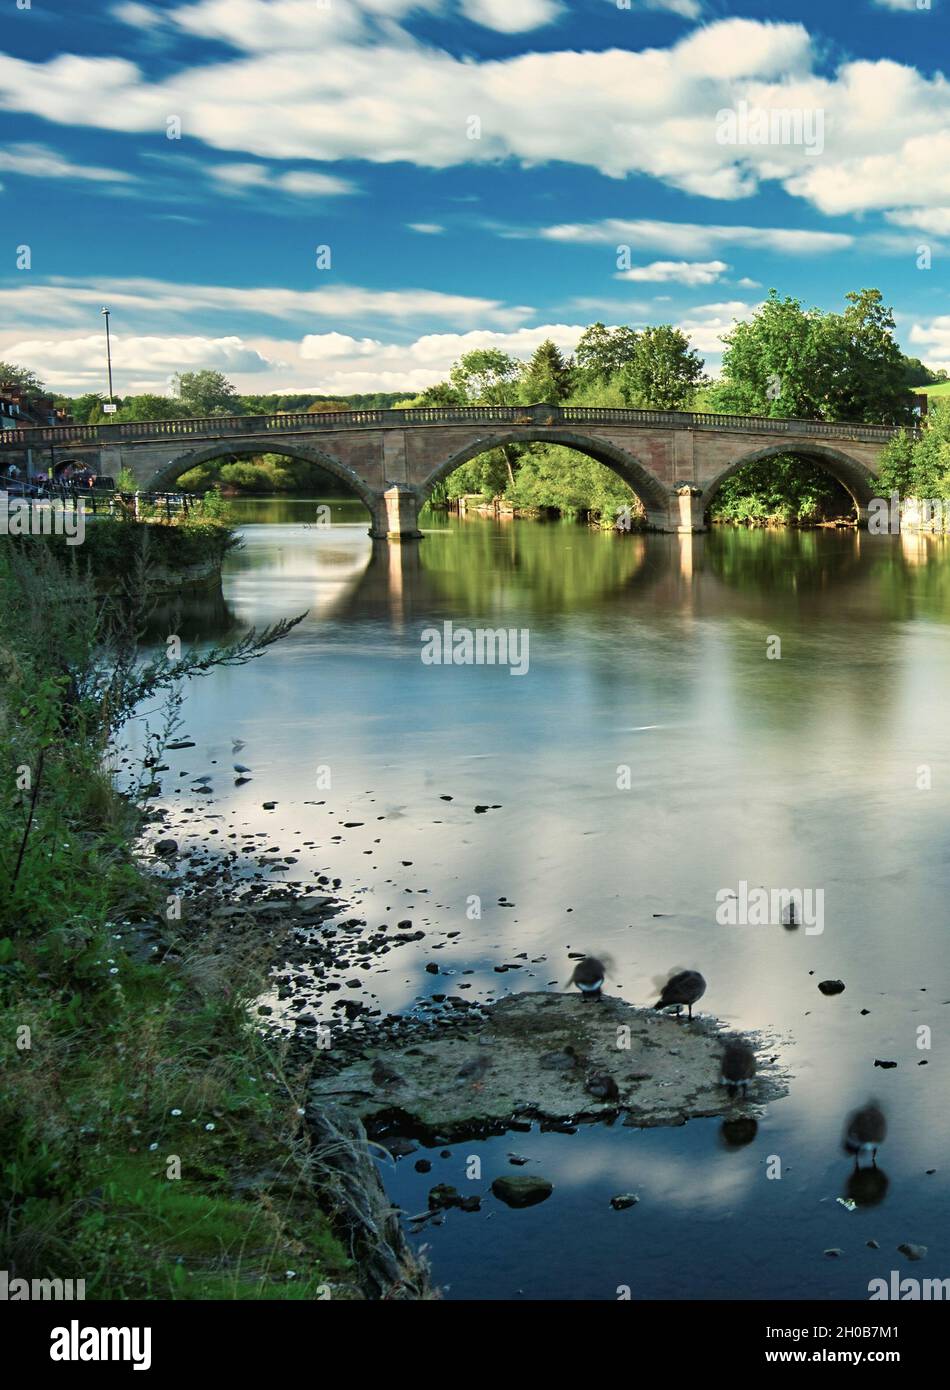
{"x": 396, "y": 515}
{"x": 687, "y": 513}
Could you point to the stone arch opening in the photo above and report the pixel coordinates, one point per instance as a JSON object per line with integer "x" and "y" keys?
{"x": 856, "y": 479}
{"x": 164, "y": 477}
{"x": 654, "y": 495}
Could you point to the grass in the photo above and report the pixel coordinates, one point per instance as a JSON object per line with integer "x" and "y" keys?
{"x": 152, "y": 1141}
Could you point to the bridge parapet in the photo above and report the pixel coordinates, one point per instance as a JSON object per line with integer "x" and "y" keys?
{"x": 299, "y": 422}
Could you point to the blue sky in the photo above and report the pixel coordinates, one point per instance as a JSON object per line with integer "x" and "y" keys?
{"x": 473, "y": 167}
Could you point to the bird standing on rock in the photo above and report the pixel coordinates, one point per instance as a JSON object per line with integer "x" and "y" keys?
{"x": 588, "y": 974}
{"x": 602, "y": 1086}
{"x": 685, "y": 987}
{"x": 865, "y": 1131}
{"x": 738, "y": 1065}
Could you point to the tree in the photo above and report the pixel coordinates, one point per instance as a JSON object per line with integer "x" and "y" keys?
{"x": 85, "y": 410}
{"x": 206, "y": 393}
{"x": 487, "y": 376}
{"x": 788, "y": 361}
{"x": 441, "y": 393}
{"x": 148, "y": 407}
{"x": 603, "y": 353}
{"x": 547, "y": 376}
{"x": 864, "y": 370}
{"x": 664, "y": 372}
{"x": 27, "y": 381}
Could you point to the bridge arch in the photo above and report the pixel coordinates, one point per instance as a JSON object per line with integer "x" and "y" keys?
{"x": 164, "y": 477}
{"x": 855, "y": 477}
{"x": 654, "y": 495}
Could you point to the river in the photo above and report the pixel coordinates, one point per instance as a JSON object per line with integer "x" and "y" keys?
{"x": 647, "y": 653}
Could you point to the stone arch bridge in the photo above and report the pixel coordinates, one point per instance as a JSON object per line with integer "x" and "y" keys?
{"x": 675, "y": 461}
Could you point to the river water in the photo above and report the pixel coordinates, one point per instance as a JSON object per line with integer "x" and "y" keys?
{"x": 826, "y": 768}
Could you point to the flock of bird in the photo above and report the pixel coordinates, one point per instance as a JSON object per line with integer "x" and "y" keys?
{"x": 865, "y": 1129}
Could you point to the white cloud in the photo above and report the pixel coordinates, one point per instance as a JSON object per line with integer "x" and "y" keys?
{"x": 72, "y": 301}
{"x": 303, "y": 183}
{"x": 693, "y": 238}
{"x": 382, "y": 95}
{"x": 932, "y": 338}
{"x": 326, "y": 363}
{"x": 39, "y": 161}
{"x": 511, "y": 16}
{"x": 899, "y": 5}
{"x": 138, "y": 16}
{"x": 679, "y": 272}
{"x": 934, "y": 221}
{"x": 426, "y": 228}
{"x": 687, "y": 9}
{"x": 76, "y": 364}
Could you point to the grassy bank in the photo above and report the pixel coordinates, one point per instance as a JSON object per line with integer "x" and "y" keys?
{"x": 153, "y": 1143}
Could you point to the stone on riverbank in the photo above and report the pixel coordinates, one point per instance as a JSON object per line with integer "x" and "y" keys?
{"x": 667, "y": 1070}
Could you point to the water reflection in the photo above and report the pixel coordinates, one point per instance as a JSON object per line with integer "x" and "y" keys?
{"x": 649, "y": 655}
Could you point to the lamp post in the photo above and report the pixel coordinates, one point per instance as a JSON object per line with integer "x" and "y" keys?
{"x": 110, "y": 408}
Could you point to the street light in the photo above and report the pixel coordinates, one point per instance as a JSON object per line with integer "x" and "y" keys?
{"x": 110, "y": 408}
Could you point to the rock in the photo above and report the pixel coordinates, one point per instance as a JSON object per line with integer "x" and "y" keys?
{"x": 834, "y": 1253}
{"x": 398, "y": 1146}
{"x": 885, "y": 1066}
{"x": 470, "y": 1204}
{"x": 623, "y": 1200}
{"x": 166, "y": 847}
{"x": 522, "y": 1191}
{"x": 422, "y": 1165}
{"x": 543, "y": 1048}
{"x": 444, "y": 1195}
{"x": 913, "y": 1252}
{"x": 831, "y": 986}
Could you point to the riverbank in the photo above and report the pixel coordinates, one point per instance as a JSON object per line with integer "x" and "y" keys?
{"x": 156, "y": 1144}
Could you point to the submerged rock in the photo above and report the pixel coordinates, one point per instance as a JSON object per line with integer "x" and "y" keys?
{"x": 522, "y": 1191}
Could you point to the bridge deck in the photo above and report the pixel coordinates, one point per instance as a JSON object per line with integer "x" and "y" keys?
{"x": 219, "y": 426}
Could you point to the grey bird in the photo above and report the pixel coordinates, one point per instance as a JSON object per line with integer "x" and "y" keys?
{"x": 602, "y": 1086}
{"x": 588, "y": 974}
{"x": 738, "y": 1065}
{"x": 239, "y": 767}
{"x": 865, "y": 1131}
{"x": 685, "y": 987}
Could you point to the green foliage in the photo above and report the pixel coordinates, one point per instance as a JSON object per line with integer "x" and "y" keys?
{"x": 28, "y": 382}
{"x": 780, "y": 490}
{"x": 263, "y": 474}
{"x": 662, "y": 372}
{"x": 487, "y": 376}
{"x": 206, "y": 393}
{"x": 130, "y": 1056}
{"x": 552, "y": 476}
{"x": 149, "y": 408}
{"x": 547, "y": 377}
{"x": 787, "y": 361}
{"x": 603, "y": 354}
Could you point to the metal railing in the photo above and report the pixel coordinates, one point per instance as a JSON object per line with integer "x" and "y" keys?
{"x": 225, "y": 426}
